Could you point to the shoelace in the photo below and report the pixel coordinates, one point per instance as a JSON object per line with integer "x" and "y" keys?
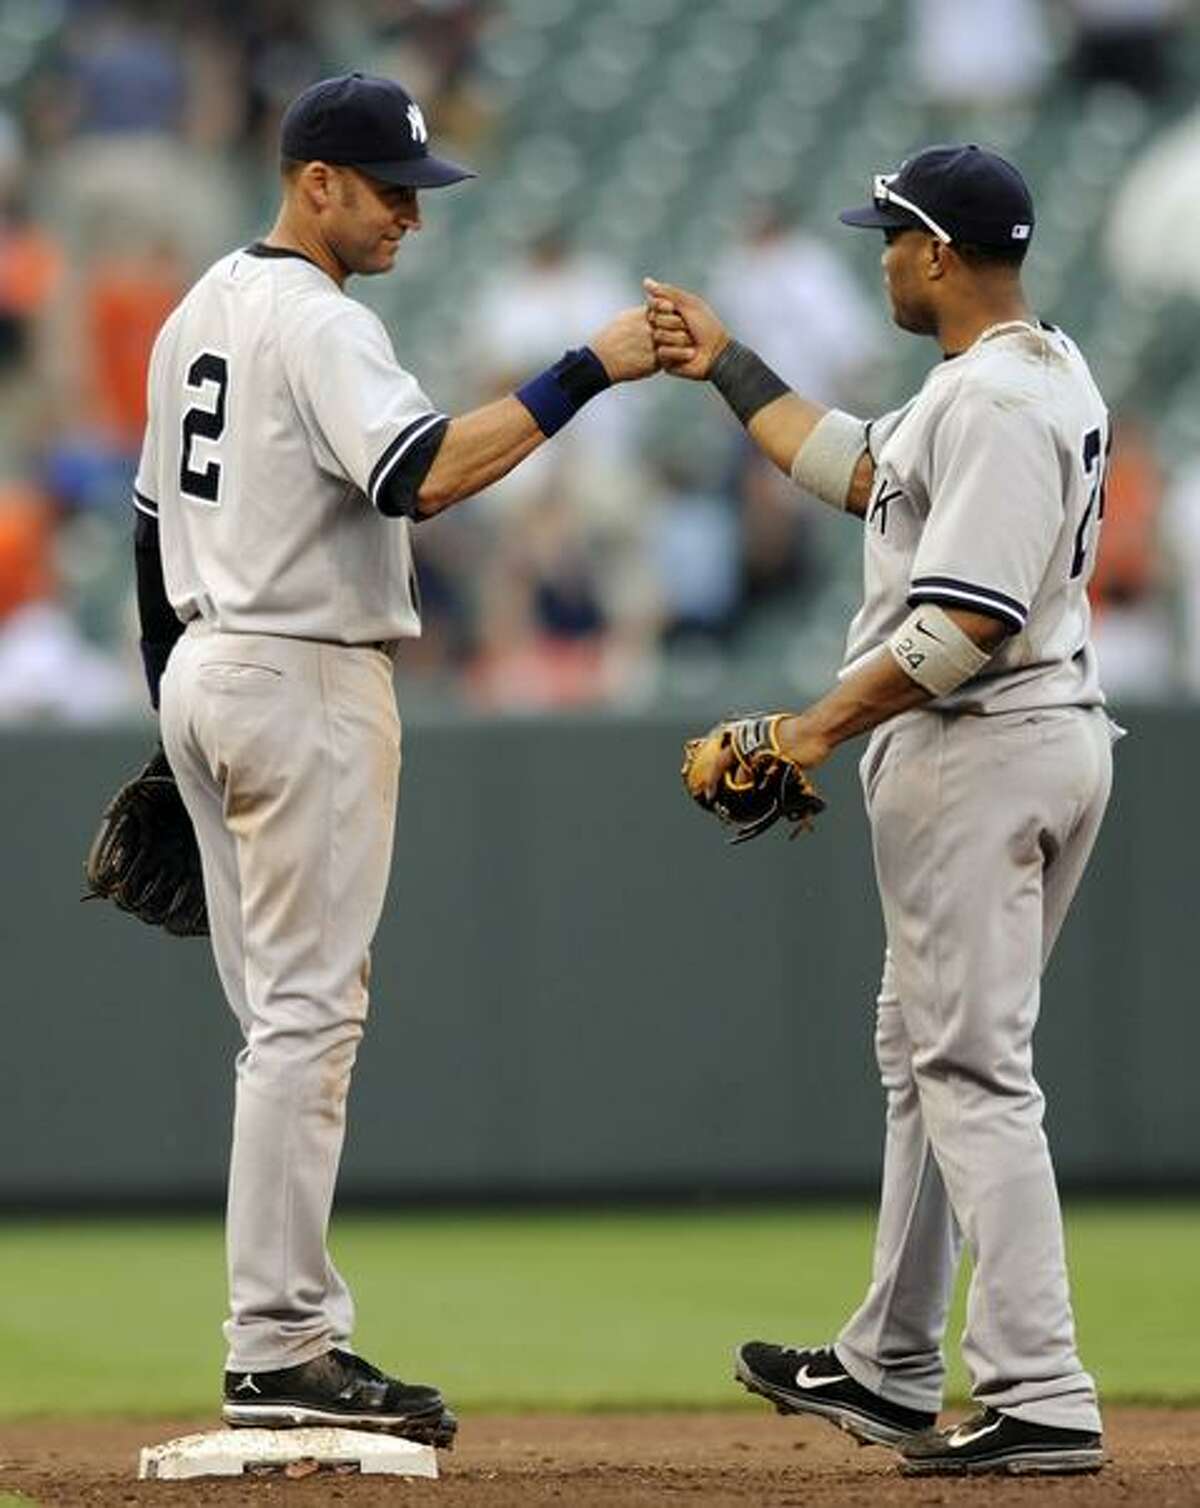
{"x": 363, "y": 1371}
{"x": 356, "y": 1364}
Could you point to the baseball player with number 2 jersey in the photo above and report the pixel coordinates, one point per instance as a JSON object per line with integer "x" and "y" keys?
{"x": 286, "y": 454}
{"x": 986, "y": 777}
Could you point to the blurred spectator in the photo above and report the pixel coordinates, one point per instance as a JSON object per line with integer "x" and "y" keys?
{"x": 790, "y": 297}
{"x": 519, "y": 322}
{"x": 433, "y": 45}
{"x": 47, "y": 669}
{"x": 1125, "y": 42}
{"x": 1131, "y": 625}
{"x": 970, "y": 55}
{"x": 446, "y": 557}
{"x": 31, "y": 270}
{"x": 785, "y": 292}
{"x": 126, "y": 74}
{"x": 567, "y": 609}
{"x": 104, "y": 335}
{"x": 114, "y": 105}
{"x": 696, "y": 547}
{"x": 281, "y": 53}
{"x": 567, "y": 598}
{"x": 32, "y": 277}
{"x": 26, "y": 548}
{"x": 1152, "y": 240}
{"x": 542, "y": 627}
{"x": 777, "y": 562}
{"x": 127, "y": 297}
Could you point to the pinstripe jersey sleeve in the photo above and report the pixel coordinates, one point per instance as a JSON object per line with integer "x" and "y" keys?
{"x": 363, "y": 412}
{"x": 995, "y": 508}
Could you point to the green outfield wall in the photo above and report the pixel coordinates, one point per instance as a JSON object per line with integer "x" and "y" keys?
{"x": 578, "y": 988}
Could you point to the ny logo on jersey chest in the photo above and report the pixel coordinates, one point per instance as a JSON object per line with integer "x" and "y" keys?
{"x": 879, "y": 504}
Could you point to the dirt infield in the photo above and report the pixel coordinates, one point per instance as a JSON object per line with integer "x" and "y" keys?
{"x": 615, "y": 1459}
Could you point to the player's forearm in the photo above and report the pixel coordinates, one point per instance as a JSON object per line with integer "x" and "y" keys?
{"x": 870, "y": 695}
{"x": 478, "y": 449}
{"x": 881, "y": 688}
{"x": 822, "y": 450}
{"x": 784, "y": 426}
{"x": 487, "y": 443}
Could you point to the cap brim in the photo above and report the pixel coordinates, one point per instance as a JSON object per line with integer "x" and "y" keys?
{"x": 871, "y": 217}
{"x": 416, "y": 172}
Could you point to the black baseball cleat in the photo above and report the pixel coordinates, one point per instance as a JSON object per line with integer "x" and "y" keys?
{"x": 991, "y": 1441}
{"x": 338, "y": 1389}
{"x": 814, "y": 1381}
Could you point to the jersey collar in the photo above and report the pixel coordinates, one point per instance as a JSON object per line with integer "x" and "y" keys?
{"x": 261, "y": 249}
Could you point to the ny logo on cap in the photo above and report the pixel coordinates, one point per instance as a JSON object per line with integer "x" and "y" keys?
{"x": 416, "y": 123}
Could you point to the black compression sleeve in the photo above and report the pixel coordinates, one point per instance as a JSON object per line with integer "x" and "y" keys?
{"x": 160, "y": 626}
{"x": 398, "y": 496}
{"x": 745, "y": 381}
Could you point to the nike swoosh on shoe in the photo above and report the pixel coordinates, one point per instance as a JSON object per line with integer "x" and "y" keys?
{"x": 803, "y": 1380}
{"x": 958, "y": 1439}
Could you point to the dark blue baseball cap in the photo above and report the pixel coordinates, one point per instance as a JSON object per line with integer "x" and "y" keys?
{"x": 373, "y": 124}
{"x": 959, "y": 193}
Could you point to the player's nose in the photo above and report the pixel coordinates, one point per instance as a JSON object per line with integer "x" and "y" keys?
{"x": 408, "y": 213}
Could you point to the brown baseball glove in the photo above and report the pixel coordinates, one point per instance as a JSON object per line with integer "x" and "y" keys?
{"x": 144, "y": 857}
{"x": 739, "y": 772}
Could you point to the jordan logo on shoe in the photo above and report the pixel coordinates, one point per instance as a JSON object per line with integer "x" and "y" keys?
{"x": 803, "y": 1380}
{"x": 963, "y": 1436}
{"x": 247, "y": 1385}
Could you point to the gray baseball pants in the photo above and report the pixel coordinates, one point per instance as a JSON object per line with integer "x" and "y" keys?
{"x": 287, "y": 754}
{"x": 981, "y": 828}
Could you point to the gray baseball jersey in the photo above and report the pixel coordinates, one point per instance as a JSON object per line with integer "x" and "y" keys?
{"x": 279, "y": 414}
{"x": 281, "y": 432}
{"x": 988, "y": 494}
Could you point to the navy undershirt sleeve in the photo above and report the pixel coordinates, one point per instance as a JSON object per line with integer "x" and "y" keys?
{"x": 398, "y": 496}
{"x": 160, "y": 627}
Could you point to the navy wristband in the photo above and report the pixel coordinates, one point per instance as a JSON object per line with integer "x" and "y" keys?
{"x": 556, "y": 395}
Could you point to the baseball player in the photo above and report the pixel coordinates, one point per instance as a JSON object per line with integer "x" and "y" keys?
{"x": 286, "y": 454}
{"x": 986, "y": 776}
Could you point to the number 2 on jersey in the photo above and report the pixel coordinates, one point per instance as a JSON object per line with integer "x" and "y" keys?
{"x": 1093, "y": 461}
{"x": 206, "y": 421}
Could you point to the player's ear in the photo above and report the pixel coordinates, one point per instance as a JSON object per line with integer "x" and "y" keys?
{"x": 936, "y": 258}
{"x": 315, "y": 184}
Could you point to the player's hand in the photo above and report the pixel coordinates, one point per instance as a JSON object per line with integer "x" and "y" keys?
{"x": 711, "y": 760}
{"x": 706, "y": 762}
{"x": 626, "y": 347}
{"x": 688, "y": 336}
{"x": 801, "y": 740}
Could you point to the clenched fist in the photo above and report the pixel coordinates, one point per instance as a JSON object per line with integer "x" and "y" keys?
{"x": 625, "y": 346}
